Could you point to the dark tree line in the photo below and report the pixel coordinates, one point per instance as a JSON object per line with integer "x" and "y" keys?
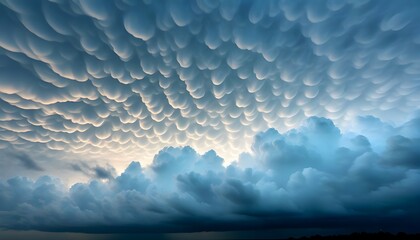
{"x": 364, "y": 235}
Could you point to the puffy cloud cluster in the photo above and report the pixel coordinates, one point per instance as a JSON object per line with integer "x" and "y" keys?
{"x": 312, "y": 176}
{"x": 122, "y": 79}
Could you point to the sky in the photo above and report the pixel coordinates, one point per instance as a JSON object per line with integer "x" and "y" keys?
{"x": 159, "y": 117}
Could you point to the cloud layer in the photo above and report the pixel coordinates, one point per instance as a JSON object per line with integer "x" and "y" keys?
{"x": 312, "y": 176}
{"x": 122, "y": 79}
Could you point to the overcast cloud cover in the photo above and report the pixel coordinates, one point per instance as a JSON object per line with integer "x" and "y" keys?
{"x": 228, "y": 114}
{"x": 312, "y": 176}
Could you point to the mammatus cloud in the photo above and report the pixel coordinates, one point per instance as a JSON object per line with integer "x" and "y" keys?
{"x": 123, "y": 79}
{"x": 312, "y": 176}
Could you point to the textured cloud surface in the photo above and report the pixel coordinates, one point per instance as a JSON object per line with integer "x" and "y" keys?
{"x": 119, "y": 80}
{"x": 224, "y": 114}
{"x": 287, "y": 180}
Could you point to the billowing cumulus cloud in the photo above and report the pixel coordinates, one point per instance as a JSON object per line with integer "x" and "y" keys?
{"x": 122, "y": 79}
{"x": 311, "y": 176}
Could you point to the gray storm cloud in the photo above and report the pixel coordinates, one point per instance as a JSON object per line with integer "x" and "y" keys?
{"x": 287, "y": 180}
{"x": 123, "y": 79}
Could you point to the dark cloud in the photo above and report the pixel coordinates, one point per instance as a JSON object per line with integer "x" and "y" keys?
{"x": 102, "y": 173}
{"x": 95, "y": 171}
{"x": 287, "y": 180}
{"x": 26, "y": 161}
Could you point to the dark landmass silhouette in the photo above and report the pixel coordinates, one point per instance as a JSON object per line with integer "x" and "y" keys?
{"x": 362, "y": 235}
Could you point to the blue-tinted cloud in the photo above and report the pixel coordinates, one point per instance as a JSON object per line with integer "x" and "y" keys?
{"x": 214, "y": 102}
{"x": 124, "y": 79}
{"x": 25, "y": 160}
{"x": 310, "y": 176}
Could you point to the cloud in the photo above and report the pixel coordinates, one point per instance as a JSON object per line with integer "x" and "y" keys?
{"x": 99, "y": 172}
{"x": 218, "y": 96}
{"x": 308, "y": 176}
{"x": 126, "y": 79}
{"x": 12, "y": 158}
{"x": 102, "y": 173}
{"x": 27, "y": 161}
